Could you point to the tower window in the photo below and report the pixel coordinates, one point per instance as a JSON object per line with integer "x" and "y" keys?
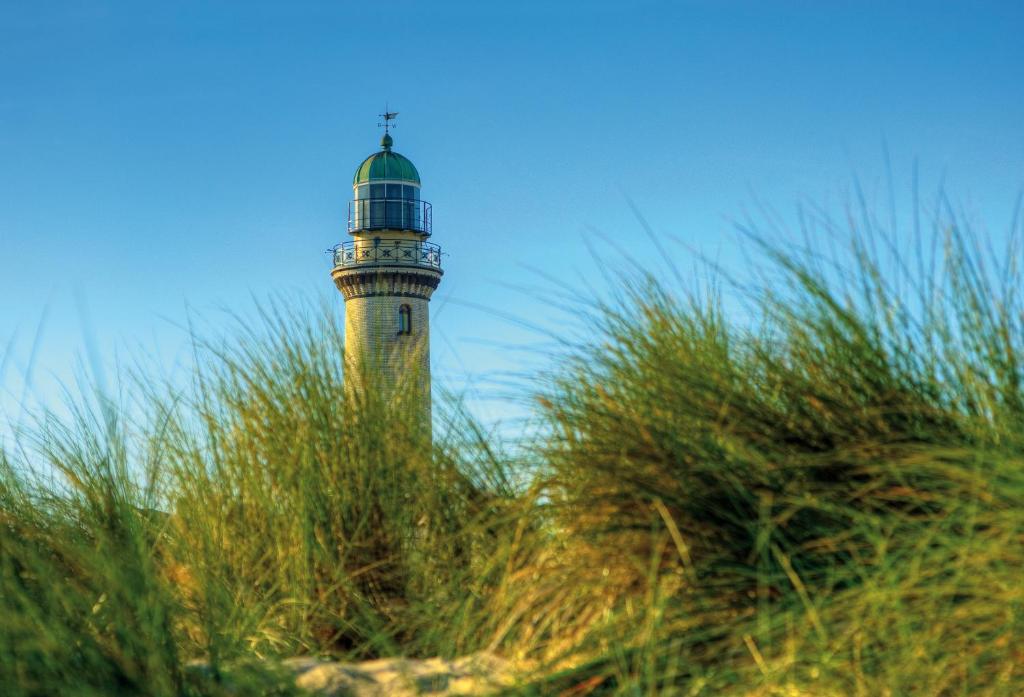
{"x": 404, "y": 320}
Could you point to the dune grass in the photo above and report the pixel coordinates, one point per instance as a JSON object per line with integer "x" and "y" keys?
{"x": 825, "y": 500}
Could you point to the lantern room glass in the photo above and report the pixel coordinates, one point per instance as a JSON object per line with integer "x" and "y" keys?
{"x": 388, "y": 205}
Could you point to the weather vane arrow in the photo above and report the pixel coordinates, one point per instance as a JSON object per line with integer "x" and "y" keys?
{"x": 388, "y": 117}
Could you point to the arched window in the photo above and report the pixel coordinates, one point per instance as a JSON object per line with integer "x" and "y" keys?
{"x": 405, "y": 320}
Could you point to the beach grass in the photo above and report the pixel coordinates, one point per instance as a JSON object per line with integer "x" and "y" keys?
{"x": 810, "y": 482}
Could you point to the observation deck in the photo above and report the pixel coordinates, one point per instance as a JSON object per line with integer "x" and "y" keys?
{"x": 381, "y": 251}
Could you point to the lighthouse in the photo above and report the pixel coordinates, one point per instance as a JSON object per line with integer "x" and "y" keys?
{"x": 387, "y": 272}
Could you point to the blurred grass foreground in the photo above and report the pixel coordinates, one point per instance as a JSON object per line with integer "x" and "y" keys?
{"x": 820, "y": 493}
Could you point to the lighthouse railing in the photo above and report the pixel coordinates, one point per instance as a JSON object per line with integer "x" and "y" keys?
{"x": 389, "y": 214}
{"x": 387, "y": 252}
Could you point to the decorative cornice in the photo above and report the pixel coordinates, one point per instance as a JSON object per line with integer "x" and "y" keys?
{"x": 384, "y": 281}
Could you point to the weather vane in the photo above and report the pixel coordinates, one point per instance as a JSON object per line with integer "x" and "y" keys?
{"x": 388, "y": 117}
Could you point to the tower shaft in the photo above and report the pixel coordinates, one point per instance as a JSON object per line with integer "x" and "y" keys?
{"x": 387, "y": 333}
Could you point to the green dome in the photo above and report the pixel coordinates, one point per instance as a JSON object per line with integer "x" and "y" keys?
{"x": 386, "y": 165}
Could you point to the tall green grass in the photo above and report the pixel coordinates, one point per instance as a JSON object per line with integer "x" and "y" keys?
{"x": 823, "y": 495}
{"x": 829, "y": 497}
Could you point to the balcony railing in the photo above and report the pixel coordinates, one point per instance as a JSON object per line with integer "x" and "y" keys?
{"x": 389, "y": 214}
{"x": 387, "y": 252}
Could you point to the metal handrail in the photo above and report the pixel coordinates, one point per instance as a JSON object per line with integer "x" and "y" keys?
{"x": 389, "y": 214}
{"x": 387, "y": 252}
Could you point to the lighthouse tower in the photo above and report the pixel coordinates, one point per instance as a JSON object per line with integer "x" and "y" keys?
{"x": 387, "y": 273}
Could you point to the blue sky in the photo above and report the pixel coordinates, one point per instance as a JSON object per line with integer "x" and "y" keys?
{"x": 156, "y": 157}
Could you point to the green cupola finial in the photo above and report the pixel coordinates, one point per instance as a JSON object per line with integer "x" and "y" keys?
{"x": 385, "y": 164}
{"x": 388, "y": 117}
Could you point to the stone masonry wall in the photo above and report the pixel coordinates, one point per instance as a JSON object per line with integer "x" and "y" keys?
{"x": 373, "y": 346}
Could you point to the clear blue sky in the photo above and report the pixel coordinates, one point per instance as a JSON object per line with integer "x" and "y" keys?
{"x": 155, "y": 156}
